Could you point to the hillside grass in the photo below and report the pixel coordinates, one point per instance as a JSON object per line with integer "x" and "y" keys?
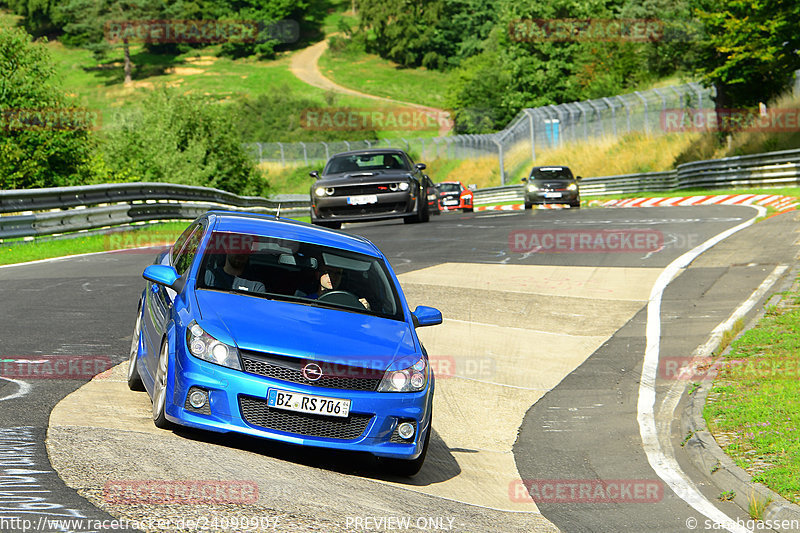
{"x": 368, "y": 73}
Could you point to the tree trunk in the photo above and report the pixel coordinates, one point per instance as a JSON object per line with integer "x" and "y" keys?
{"x": 127, "y": 52}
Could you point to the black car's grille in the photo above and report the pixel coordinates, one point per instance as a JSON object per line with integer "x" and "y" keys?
{"x": 352, "y": 190}
{"x": 256, "y": 412}
{"x": 334, "y": 376}
{"x": 355, "y": 210}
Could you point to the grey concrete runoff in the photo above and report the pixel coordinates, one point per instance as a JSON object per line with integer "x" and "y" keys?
{"x": 706, "y": 454}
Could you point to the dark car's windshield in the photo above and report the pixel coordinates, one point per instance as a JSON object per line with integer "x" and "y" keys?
{"x": 449, "y": 187}
{"x": 298, "y": 271}
{"x": 366, "y": 162}
{"x": 544, "y": 173}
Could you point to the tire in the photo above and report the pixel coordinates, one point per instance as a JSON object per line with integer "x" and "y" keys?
{"x": 134, "y": 379}
{"x": 528, "y": 205}
{"x": 160, "y": 388}
{"x": 576, "y": 205}
{"x": 408, "y": 468}
{"x": 468, "y": 209}
{"x": 422, "y": 215}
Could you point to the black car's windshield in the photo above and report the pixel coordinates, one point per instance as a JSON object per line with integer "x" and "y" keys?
{"x": 544, "y": 173}
{"x": 449, "y": 187}
{"x": 366, "y": 162}
{"x": 298, "y": 271}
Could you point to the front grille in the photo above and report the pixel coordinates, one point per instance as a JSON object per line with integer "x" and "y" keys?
{"x": 334, "y": 376}
{"x": 256, "y": 412}
{"x": 351, "y": 190}
{"x": 372, "y": 209}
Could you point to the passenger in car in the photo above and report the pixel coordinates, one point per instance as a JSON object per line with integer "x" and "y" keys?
{"x": 228, "y": 275}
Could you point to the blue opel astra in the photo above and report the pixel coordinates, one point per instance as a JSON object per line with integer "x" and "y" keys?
{"x": 282, "y": 330}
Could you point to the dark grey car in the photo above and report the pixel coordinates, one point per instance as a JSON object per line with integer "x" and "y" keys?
{"x": 552, "y": 185}
{"x": 375, "y": 184}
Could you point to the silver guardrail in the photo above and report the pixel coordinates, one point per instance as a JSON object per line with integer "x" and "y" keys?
{"x": 39, "y": 212}
{"x": 772, "y": 169}
{"x": 59, "y": 210}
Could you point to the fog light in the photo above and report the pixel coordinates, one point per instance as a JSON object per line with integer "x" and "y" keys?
{"x": 405, "y": 430}
{"x": 197, "y": 399}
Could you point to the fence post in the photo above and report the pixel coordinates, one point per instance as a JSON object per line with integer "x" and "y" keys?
{"x": 500, "y": 158}
{"x": 305, "y": 153}
{"x": 327, "y": 152}
{"x": 283, "y": 158}
{"x": 597, "y": 112}
{"x": 610, "y": 104}
{"x": 529, "y": 113}
{"x": 347, "y": 143}
{"x": 646, "y": 123}
{"x": 561, "y": 124}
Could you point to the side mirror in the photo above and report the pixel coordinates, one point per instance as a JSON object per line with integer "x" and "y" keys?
{"x": 163, "y": 275}
{"x": 421, "y": 166}
{"x": 426, "y": 316}
{"x": 472, "y": 187}
{"x": 314, "y": 174}
{"x": 578, "y": 178}
{"x": 524, "y": 180}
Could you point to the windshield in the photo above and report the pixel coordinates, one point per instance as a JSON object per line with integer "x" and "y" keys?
{"x": 366, "y": 162}
{"x": 545, "y": 173}
{"x": 449, "y": 187}
{"x": 297, "y": 271}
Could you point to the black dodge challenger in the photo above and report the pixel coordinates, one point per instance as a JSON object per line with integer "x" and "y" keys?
{"x": 374, "y": 184}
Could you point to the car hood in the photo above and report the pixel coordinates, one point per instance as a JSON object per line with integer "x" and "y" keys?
{"x": 306, "y": 331}
{"x": 363, "y": 177}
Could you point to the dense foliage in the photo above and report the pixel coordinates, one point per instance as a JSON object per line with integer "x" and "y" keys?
{"x": 182, "y": 138}
{"x": 503, "y": 60}
{"x": 45, "y": 140}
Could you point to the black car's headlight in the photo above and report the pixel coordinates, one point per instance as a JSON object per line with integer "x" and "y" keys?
{"x": 205, "y": 347}
{"x": 532, "y": 187}
{"x": 411, "y": 379}
{"x": 324, "y": 191}
{"x": 403, "y": 185}
{"x": 572, "y": 187}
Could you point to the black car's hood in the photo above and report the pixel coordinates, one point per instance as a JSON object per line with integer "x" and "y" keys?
{"x": 363, "y": 177}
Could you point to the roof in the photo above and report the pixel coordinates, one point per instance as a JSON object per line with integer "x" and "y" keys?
{"x": 284, "y": 228}
{"x": 373, "y": 151}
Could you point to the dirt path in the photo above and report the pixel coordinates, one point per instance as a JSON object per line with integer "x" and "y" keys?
{"x": 304, "y": 66}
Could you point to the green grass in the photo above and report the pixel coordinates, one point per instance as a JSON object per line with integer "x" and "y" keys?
{"x": 370, "y": 74}
{"x": 754, "y": 407}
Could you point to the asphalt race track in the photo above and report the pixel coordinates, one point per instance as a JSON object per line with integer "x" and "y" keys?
{"x": 539, "y": 378}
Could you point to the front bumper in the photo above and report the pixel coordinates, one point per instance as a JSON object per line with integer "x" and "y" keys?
{"x": 548, "y": 197}
{"x": 388, "y": 205}
{"x": 237, "y": 403}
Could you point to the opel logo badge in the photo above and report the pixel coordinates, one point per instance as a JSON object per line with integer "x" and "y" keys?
{"x": 312, "y": 372}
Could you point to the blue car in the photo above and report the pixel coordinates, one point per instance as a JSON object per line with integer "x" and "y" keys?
{"x": 279, "y": 329}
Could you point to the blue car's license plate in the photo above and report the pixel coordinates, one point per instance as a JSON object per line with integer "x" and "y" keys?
{"x": 304, "y": 403}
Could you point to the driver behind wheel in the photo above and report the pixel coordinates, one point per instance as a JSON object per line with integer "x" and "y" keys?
{"x": 329, "y": 279}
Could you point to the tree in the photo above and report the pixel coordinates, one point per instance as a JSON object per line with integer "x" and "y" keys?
{"x": 46, "y": 140}
{"x": 87, "y": 23}
{"x": 750, "y": 50}
{"x": 182, "y": 138}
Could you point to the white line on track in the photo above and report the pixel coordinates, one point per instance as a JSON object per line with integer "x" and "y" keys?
{"x": 23, "y": 388}
{"x": 666, "y": 466}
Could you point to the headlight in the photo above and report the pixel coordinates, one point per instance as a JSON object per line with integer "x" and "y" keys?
{"x": 532, "y": 187}
{"x": 411, "y": 379}
{"x": 572, "y": 187}
{"x": 205, "y": 347}
{"x": 403, "y": 185}
{"x": 322, "y": 191}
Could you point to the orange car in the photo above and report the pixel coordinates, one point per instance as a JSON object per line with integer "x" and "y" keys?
{"x": 453, "y": 195}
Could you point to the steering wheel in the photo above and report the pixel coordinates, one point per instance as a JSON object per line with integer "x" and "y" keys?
{"x": 345, "y": 298}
